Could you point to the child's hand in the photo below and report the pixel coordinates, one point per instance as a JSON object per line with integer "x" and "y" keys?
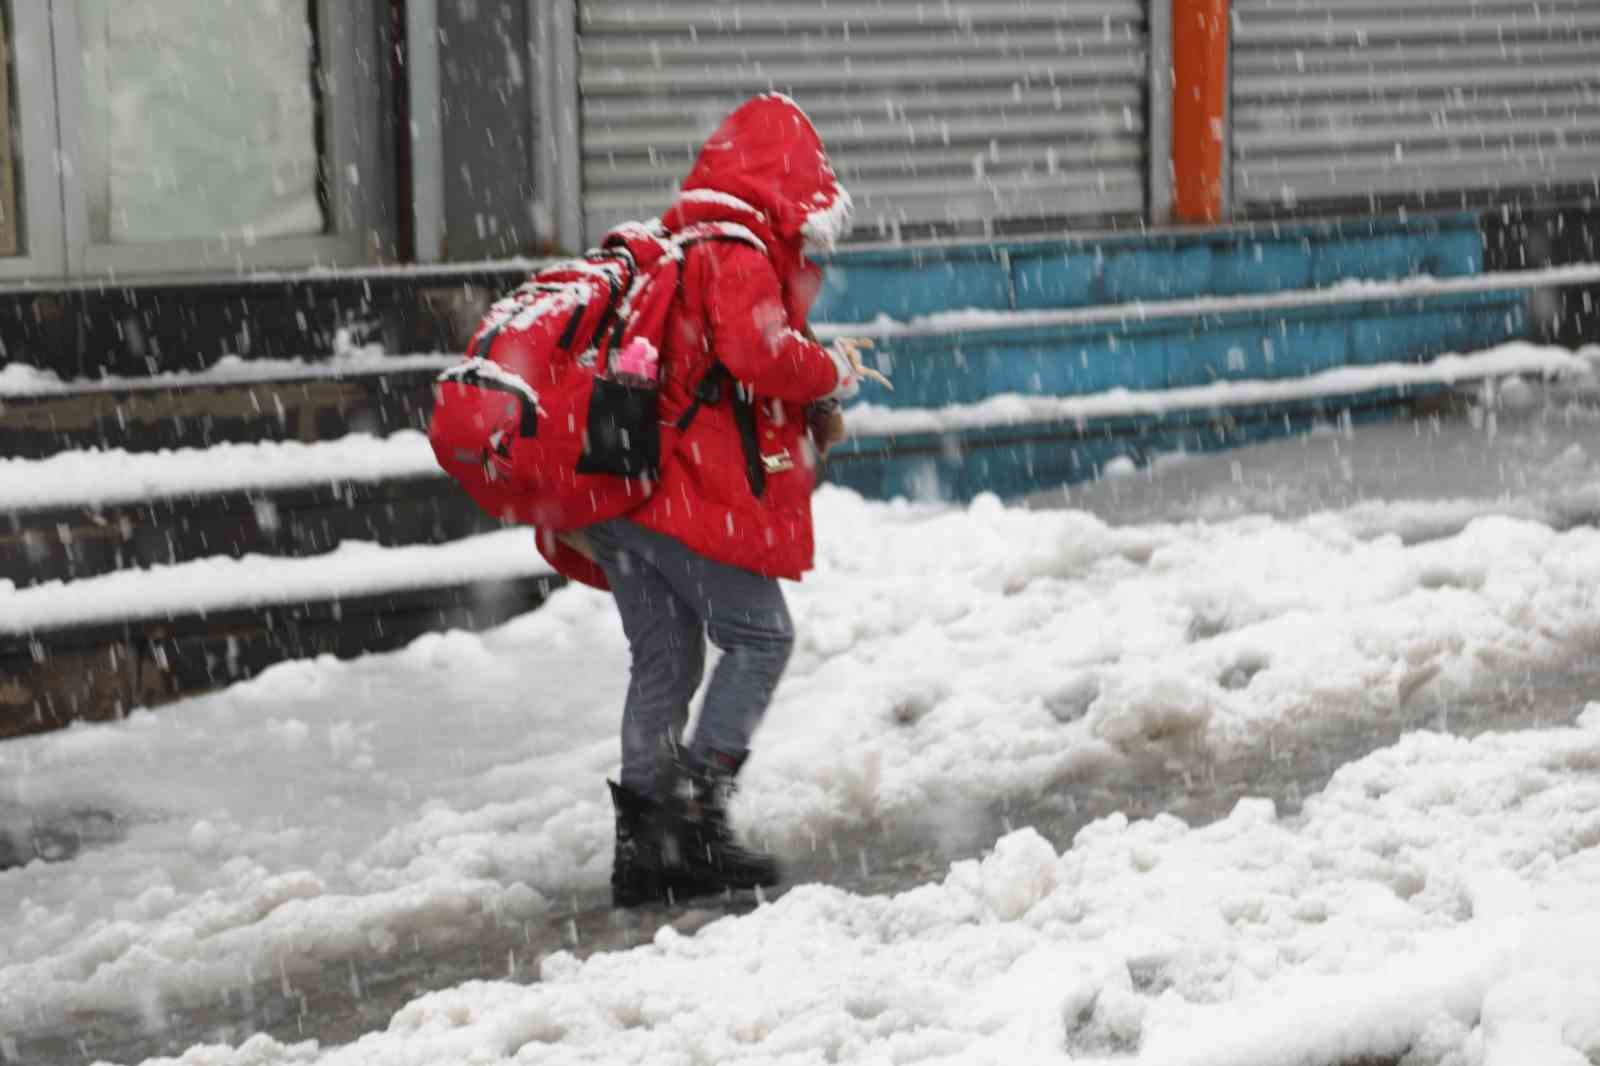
{"x": 850, "y": 348}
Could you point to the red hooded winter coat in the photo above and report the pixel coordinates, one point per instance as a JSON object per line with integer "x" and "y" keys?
{"x": 764, "y": 169}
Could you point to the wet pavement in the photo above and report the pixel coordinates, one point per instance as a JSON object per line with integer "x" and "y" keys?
{"x": 1531, "y": 453}
{"x": 53, "y": 835}
{"x": 1541, "y": 468}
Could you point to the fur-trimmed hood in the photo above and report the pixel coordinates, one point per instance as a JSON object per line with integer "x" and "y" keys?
{"x": 767, "y": 155}
{"x": 765, "y": 169}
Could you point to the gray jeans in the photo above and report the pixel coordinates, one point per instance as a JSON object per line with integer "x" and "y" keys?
{"x": 671, "y": 600}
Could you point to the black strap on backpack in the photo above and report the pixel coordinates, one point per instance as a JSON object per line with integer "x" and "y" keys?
{"x": 709, "y": 392}
{"x": 744, "y": 418}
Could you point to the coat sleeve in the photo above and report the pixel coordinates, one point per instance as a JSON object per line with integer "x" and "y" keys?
{"x": 752, "y": 335}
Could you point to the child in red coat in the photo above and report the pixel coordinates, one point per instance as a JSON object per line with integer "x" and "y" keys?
{"x": 732, "y": 512}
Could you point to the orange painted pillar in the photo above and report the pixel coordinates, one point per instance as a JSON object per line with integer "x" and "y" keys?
{"x": 1199, "y": 109}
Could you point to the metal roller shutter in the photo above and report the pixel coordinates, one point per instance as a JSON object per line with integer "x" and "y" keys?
{"x": 950, "y": 115}
{"x": 1345, "y": 100}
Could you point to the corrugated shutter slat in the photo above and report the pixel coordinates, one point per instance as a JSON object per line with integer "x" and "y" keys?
{"x": 1342, "y": 100}
{"x": 936, "y": 115}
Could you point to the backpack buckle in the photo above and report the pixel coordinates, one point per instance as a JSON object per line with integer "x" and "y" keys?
{"x": 709, "y": 391}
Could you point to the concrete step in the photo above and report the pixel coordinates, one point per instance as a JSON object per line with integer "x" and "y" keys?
{"x": 96, "y": 649}
{"x": 1013, "y": 459}
{"x": 1014, "y": 444}
{"x": 62, "y": 543}
{"x": 80, "y": 514}
{"x": 275, "y": 400}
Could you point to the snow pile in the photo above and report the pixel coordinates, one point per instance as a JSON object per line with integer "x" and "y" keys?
{"x": 1435, "y": 902}
{"x": 948, "y": 661}
{"x": 20, "y": 379}
{"x": 325, "y": 810}
{"x": 953, "y": 656}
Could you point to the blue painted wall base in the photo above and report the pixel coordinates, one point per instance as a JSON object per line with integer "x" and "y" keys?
{"x": 962, "y": 366}
{"x": 1015, "y": 461}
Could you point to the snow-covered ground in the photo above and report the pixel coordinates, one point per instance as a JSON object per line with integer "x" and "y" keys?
{"x": 1434, "y": 902}
{"x": 953, "y": 662}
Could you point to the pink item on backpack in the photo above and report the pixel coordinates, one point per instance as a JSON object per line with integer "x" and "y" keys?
{"x": 639, "y": 361}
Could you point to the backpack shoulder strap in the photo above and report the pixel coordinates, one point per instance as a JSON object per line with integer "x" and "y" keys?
{"x": 711, "y": 385}
{"x": 709, "y": 388}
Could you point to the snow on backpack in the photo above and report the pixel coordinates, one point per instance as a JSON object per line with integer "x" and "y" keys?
{"x": 552, "y": 419}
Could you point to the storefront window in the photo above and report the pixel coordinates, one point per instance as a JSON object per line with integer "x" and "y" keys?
{"x": 200, "y": 120}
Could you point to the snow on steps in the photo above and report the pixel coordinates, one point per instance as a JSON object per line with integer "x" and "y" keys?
{"x": 96, "y": 478}
{"x": 97, "y": 647}
{"x": 1516, "y": 358}
{"x": 1015, "y": 444}
{"x": 80, "y": 513}
{"x": 267, "y": 465}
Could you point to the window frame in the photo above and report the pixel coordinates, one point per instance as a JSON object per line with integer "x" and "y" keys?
{"x": 350, "y": 113}
{"x": 41, "y": 252}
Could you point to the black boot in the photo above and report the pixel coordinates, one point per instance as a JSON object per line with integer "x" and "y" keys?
{"x": 647, "y": 850}
{"x": 683, "y": 848}
{"x": 712, "y": 856}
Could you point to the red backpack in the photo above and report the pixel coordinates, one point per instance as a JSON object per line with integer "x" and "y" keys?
{"x": 552, "y": 420}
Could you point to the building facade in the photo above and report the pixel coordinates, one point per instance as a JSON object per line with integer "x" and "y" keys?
{"x": 159, "y": 143}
